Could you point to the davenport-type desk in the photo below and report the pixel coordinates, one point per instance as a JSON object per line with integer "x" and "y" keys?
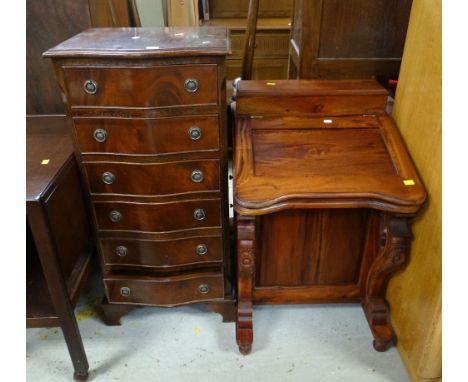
{"x": 324, "y": 191}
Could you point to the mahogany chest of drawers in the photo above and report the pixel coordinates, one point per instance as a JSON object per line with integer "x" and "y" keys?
{"x": 149, "y": 123}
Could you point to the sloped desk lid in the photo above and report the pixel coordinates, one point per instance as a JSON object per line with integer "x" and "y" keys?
{"x": 316, "y": 162}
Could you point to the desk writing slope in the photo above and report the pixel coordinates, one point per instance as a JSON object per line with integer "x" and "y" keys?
{"x": 324, "y": 198}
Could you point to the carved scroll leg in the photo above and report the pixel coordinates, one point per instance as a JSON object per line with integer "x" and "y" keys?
{"x": 245, "y": 282}
{"x": 391, "y": 258}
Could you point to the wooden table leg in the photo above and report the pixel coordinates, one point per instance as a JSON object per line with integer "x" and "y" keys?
{"x": 42, "y": 234}
{"x": 396, "y": 234}
{"x": 245, "y": 282}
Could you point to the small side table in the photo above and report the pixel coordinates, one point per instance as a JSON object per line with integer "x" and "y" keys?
{"x": 58, "y": 237}
{"x": 324, "y": 191}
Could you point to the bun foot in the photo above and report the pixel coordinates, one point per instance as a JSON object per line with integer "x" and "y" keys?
{"x": 245, "y": 349}
{"x": 381, "y": 345}
{"x": 80, "y": 375}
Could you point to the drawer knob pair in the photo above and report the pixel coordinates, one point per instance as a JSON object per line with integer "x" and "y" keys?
{"x": 198, "y": 214}
{"x": 197, "y": 176}
{"x": 122, "y": 251}
{"x": 202, "y": 288}
{"x": 191, "y": 85}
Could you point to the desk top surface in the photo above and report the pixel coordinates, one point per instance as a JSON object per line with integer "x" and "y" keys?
{"x": 48, "y": 148}
{"x": 318, "y": 162}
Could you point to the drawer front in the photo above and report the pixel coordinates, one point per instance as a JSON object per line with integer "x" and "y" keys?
{"x": 150, "y": 253}
{"x": 146, "y": 87}
{"x": 153, "y": 179}
{"x": 158, "y": 217}
{"x": 147, "y": 136}
{"x": 168, "y": 291}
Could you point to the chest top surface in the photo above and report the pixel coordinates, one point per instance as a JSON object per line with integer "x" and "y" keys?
{"x": 144, "y": 42}
{"x": 323, "y": 160}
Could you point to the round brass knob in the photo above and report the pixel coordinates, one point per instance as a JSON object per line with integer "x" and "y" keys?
{"x": 197, "y": 176}
{"x": 125, "y": 291}
{"x": 201, "y": 249}
{"x": 100, "y": 135}
{"x": 90, "y": 87}
{"x": 194, "y": 133}
{"x": 108, "y": 178}
{"x": 115, "y": 216}
{"x": 121, "y": 251}
{"x": 203, "y": 288}
{"x": 191, "y": 85}
{"x": 199, "y": 214}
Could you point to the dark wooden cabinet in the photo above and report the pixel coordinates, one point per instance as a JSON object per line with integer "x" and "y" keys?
{"x": 58, "y": 235}
{"x": 324, "y": 191}
{"x": 148, "y": 107}
{"x": 347, "y": 38}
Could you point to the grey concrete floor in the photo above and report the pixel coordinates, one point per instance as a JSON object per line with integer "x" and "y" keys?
{"x": 190, "y": 343}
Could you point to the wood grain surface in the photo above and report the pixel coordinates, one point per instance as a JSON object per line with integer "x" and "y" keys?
{"x": 141, "y": 86}
{"x": 162, "y": 253}
{"x": 169, "y": 178}
{"x": 144, "y": 136}
{"x": 324, "y": 203}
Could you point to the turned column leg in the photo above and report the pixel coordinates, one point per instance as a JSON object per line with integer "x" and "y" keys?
{"x": 245, "y": 282}
{"x": 396, "y": 236}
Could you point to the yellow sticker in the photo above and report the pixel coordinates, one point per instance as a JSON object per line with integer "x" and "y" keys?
{"x": 271, "y": 83}
{"x": 409, "y": 182}
{"x": 45, "y": 161}
{"x": 197, "y": 330}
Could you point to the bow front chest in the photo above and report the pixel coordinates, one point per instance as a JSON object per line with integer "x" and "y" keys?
{"x": 149, "y": 125}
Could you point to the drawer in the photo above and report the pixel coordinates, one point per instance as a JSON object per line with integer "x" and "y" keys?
{"x": 153, "y": 179}
{"x": 158, "y": 217}
{"x": 165, "y": 291}
{"x": 141, "y": 86}
{"x": 163, "y": 253}
{"x": 147, "y": 136}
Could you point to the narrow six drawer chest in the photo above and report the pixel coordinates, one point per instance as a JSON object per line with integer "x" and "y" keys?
{"x": 149, "y": 117}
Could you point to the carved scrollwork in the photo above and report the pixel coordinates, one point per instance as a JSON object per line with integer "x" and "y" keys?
{"x": 395, "y": 236}
{"x": 245, "y": 282}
